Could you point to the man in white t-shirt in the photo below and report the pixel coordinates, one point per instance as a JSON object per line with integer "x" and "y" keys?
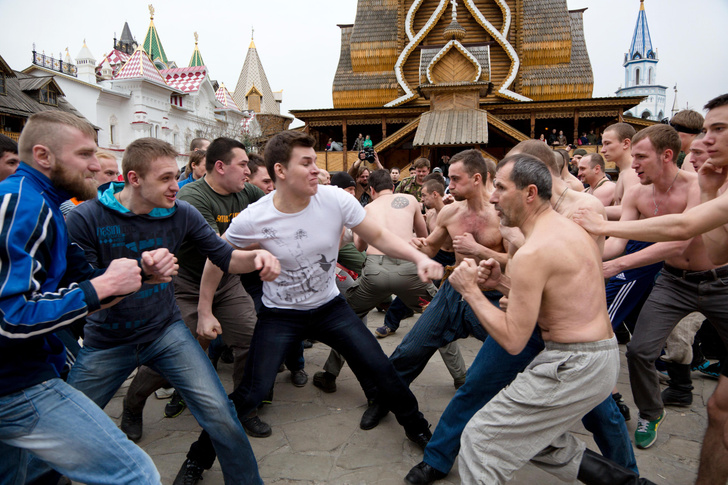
{"x": 300, "y": 224}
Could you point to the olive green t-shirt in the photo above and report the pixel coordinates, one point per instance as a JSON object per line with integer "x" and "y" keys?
{"x": 218, "y": 210}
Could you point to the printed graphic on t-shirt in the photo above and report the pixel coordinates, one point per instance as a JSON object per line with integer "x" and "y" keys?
{"x": 311, "y": 274}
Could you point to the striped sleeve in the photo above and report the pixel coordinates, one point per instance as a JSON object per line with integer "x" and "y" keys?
{"x": 27, "y": 234}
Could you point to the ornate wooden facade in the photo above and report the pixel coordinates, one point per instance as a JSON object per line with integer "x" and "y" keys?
{"x": 431, "y": 77}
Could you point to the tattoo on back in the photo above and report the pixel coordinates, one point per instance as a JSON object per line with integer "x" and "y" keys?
{"x": 400, "y": 202}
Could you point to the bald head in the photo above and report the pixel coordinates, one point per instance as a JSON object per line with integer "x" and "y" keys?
{"x": 538, "y": 149}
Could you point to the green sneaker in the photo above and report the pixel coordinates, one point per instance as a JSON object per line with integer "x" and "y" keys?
{"x": 646, "y": 433}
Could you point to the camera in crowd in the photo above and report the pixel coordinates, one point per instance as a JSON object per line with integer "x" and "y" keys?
{"x": 369, "y": 151}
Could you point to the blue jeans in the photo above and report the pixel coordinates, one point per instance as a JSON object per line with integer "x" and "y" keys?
{"x": 446, "y": 319}
{"x": 336, "y": 325}
{"x": 176, "y": 355}
{"x": 492, "y": 370}
{"x": 58, "y": 425}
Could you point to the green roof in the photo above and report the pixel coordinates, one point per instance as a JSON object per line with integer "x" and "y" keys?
{"x": 153, "y": 46}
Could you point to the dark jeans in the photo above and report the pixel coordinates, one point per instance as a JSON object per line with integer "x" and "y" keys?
{"x": 254, "y": 286}
{"x": 336, "y": 325}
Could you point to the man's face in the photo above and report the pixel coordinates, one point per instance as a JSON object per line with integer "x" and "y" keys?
{"x": 74, "y": 165}
{"x": 506, "y": 198}
{"x": 698, "y": 154}
{"x": 158, "y": 188}
{"x": 586, "y": 173}
{"x": 363, "y": 178}
{"x": 262, "y": 180}
{"x": 351, "y": 190}
{"x": 395, "y": 175}
{"x": 109, "y": 171}
{"x": 612, "y": 148}
{"x": 8, "y": 164}
{"x": 716, "y": 135}
{"x": 237, "y": 173}
{"x": 301, "y": 174}
{"x": 428, "y": 198}
{"x": 420, "y": 174}
{"x": 575, "y": 160}
{"x": 461, "y": 184}
{"x": 645, "y": 161}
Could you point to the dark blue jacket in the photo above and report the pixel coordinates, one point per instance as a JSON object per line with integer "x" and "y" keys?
{"x": 106, "y": 230}
{"x": 35, "y": 257}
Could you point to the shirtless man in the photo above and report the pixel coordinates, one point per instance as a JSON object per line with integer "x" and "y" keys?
{"x": 382, "y": 275}
{"x": 530, "y": 419}
{"x": 664, "y": 189}
{"x": 447, "y": 318}
{"x": 688, "y": 124}
{"x": 432, "y": 194}
{"x": 710, "y": 219}
{"x": 617, "y": 148}
{"x": 494, "y": 368}
{"x": 591, "y": 172}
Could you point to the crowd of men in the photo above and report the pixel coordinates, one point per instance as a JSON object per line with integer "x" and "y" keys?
{"x": 146, "y": 275}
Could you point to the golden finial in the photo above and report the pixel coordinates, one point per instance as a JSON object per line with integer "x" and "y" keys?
{"x": 195, "y": 38}
{"x": 151, "y": 11}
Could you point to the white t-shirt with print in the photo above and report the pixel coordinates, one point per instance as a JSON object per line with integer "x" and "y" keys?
{"x": 306, "y": 243}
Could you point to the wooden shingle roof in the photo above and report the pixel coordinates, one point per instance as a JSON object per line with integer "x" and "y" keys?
{"x": 351, "y": 88}
{"x": 18, "y": 102}
{"x": 374, "y": 36}
{"x": 452, "y": 127}
{"x": 546, "y": 33}
{"x": 573, "y": 79}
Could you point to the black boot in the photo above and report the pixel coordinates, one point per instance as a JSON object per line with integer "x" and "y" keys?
{"x": 597, "y": 470}
{"x": 680, "y": 388}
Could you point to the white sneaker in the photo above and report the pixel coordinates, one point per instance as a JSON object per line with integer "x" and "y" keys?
{"x": 164, "y": 392}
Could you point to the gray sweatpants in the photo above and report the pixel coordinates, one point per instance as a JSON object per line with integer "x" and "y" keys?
{"x": 530, "y": 419}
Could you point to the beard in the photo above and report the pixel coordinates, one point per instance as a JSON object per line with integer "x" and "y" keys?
{"x": 77, "y": 185}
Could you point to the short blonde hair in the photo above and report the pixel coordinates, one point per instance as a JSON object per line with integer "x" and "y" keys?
{"x": 46, "y": 128}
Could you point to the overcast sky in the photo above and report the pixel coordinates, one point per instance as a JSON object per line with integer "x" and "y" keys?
{"x": 298, "y": 42}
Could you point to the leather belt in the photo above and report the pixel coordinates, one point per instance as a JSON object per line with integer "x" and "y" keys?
{"x": 698, "y": 276}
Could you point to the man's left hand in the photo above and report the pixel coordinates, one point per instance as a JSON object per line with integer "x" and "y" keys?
{"x": 159, "y": 265}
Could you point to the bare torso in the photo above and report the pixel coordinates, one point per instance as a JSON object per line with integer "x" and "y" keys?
{"x": 457, "y": 219}
{"x": 627, "y": 178}
{"x": 397, "y": 213}
{"x": 431, "y": 220}
{"x": 573, "y": 307}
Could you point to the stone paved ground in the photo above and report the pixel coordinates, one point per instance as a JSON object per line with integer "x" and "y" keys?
{"x": 316, "y": 437}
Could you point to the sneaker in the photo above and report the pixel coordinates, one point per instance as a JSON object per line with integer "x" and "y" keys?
{"x": 325, "y": 381}
{"x": 256, "y": 428}
{"x": 701, "y": 366}
{"x": 227, "y": 355}
{"x": 623, "y": 408}
{"x": 189, "y": 474}
{"x": 164, "y": 392}
{"x": 458, "y": 382}
{"x": 131, "y": 424}
{"x": 646, "y": 433}
{"x": 307, "y": 344}
{"x": 299, "y": 378}
{"x": 175, "y": 406}
{"x": 384, "y": 331}
{"x": 713, "y": 370}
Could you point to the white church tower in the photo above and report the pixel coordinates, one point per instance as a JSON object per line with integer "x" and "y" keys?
{"x": 640, "y": 73}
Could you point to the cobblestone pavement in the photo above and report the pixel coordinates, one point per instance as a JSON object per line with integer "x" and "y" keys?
{"x": 316, "y": 437}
